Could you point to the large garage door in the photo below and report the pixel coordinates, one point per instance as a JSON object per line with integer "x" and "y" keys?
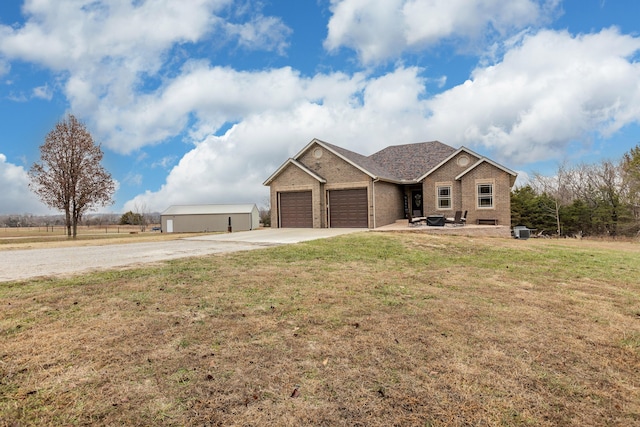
{"x": 295, "y": 210}
{"x": 348, "y": 208}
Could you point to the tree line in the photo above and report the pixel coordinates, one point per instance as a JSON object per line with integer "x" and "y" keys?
{"x": 92, "y": 220}
{"x": 600, "y": 199}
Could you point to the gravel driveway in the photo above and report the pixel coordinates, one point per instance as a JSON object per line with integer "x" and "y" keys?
{"x": 30, "y": 263}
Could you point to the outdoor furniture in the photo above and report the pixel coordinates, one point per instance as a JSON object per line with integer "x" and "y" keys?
{"x": 487, "y": 221}
{"x": 463, "y": 220}
{"x": 435, "y": 220}
{"x": 415, "y": 220}
{"x": 458, "y": 219}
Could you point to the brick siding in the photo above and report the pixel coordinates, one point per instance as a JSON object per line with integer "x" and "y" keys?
{"x": 294, "y": 179}
{"x": 389, "y": 203}
{"x": 501, "y": 210}
{"x": 446, "y": 174}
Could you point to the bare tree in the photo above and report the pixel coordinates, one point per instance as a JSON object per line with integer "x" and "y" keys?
{"x": 631, "y": 179}
{"x": 606, "y": 179}
{"x": 141, "y": 216}
{"x": 557, "y": 188}
{"x": 69, "y": 176}
{"x": 265, "y": 212}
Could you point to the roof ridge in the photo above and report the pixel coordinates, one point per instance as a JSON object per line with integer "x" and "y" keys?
{"x": 409, "y": 161}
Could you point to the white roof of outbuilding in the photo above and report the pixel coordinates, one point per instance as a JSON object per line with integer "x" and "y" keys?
{"x": 209, "y": 209}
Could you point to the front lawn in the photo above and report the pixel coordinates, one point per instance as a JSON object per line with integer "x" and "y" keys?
{"x": 371, "y": 329}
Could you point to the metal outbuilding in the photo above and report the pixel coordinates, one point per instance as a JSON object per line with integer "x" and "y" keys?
{"x": 210, "y": 218}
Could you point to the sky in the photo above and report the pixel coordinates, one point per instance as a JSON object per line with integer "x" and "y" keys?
{"x": 200, "y": 101}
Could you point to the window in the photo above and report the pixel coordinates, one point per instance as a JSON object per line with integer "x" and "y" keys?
{"x": 444, "y": 197}
{"x": 485, "y": 195}
{"x": 463, "y": 161}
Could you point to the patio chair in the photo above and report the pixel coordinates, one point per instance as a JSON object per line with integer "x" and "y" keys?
{"x": 458, "y": 219}
{"x": 463, "y": 219}
{"x": 416, "y": 220}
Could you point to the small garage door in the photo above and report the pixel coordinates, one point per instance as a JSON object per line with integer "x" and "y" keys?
{"x": 296, "y": 210}
{"x": 348, "y": 208}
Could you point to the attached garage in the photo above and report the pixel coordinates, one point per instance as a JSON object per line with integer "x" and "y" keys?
{"x": 296, "y": 209}
{"x": 210, "y": 218}
{"x": 348, "y": 208}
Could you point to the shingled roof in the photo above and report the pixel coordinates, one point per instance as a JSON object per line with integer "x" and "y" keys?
{"x": 364, "y": 162}
{"x": 405, "y": 162}
{"x": 410, "y": 161}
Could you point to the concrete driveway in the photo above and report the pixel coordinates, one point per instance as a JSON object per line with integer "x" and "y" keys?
{"x": 30, "y": 263}
{"x": 278, "y": 236}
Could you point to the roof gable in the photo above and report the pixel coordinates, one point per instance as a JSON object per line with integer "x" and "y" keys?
{"x": 480, "y": 158}
{"x": 485, "y": 160}
{"x": 356, "y": 160}
{"x": 447, "y": 159}
{"x": 298, "y": 165}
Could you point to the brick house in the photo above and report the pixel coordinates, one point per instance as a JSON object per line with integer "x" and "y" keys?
{"x": 328, "y": 186}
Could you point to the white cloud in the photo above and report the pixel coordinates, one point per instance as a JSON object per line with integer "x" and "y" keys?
{"x": 17, "y": 97}
{"x": 104, "y": 48}
{"x": 15, "y": 197}
{"x": 43, "y": 92}
{"x": 105, "y": 30}
{"x": 5, "y": 67}
{"x": 549, "y": 89}
{"x": 262, "y": 32}
{"x": 105, "y": 51}
{"x": 362, "y": 115}
{"x": 380, "y": 30}
{"x": 133, "y": 179}
{"x": 522, "y": 179}
{"x": 216, "y": 95}
{"x": 164, "y": 162}
{"x": 372, "y": 28}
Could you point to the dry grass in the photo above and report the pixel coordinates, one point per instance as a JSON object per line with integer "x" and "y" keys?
{"x": 370, "y": 329}
{"x": 42, "y": 237}
{"x": 60, "y": 231}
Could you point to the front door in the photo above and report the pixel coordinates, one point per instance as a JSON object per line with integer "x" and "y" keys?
{"x": 416, "y": 203}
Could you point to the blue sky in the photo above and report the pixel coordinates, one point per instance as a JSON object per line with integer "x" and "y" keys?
{"x": 200, "y": 101}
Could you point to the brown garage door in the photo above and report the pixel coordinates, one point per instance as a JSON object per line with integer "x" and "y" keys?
{"x": 295, "y": 210}
{"x": 348, "y": 208}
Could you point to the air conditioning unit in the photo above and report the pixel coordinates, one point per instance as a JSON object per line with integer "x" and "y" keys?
{"x": 521, "y": 232}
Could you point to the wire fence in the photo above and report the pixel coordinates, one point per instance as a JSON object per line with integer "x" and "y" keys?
{"x": 84, "y": 229}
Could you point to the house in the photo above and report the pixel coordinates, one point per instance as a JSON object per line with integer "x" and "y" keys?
{"x": 328, "y": 186}
{"x": 210, "y": 218}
